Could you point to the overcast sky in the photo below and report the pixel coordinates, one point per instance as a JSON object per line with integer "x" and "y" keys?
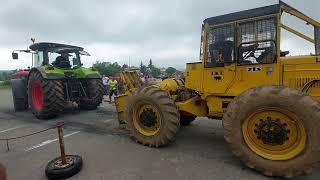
{"x": 168, "y": 31}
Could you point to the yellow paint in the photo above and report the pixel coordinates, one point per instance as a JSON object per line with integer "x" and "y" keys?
{"x": 194, "y": 76}
{"x": 194, "y": 106}
{"x": 215, "y": 105}
{"x": 144, "y": 130}
{"x": 291, "y": 147}
{"x": 121, "y": 102}
{"x": 170, "y": 85}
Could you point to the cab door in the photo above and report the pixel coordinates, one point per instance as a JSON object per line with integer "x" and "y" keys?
{"x": 219, "y": 67}
{"x": 257, "y": 55}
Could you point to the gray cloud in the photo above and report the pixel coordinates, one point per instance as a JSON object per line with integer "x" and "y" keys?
{"x": 146, "y": 27}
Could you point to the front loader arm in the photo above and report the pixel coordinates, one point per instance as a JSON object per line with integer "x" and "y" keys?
{"x": 131, "y": 82}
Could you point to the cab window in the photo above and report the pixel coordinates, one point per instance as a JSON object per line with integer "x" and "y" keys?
{"x": 257, "y": 42}
{"x": 220, "y": 46}
{"x": 38, "y": 58}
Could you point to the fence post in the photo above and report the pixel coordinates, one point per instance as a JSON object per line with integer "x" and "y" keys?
{"x": 60, "y": 133}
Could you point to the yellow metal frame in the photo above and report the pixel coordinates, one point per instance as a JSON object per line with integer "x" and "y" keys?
{"x": 298, "y": 33}
{"x": 195, "y": 106}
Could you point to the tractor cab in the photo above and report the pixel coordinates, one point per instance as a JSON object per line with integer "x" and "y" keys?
{"x": 57, "y": 55}
{"x": 54, "y": 55}
{"x": 242, "y": 50}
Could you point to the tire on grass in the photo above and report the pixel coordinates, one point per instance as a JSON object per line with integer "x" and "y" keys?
{"x": 45, "y": 97}
{"x": 95, "y": 91}
{"x": 163, "y": 117}
{"x": 279, "y": 99}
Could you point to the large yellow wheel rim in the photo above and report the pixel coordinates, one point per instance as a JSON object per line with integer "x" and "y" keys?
{"x": 274, "y": 134}
{"x": 146, "y": 119}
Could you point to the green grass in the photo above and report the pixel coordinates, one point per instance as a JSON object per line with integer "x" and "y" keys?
{"x": 4, "y": 86}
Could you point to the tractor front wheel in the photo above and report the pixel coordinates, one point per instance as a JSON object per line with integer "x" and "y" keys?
{"x": 152, "y": 116}
{"x": 45, "y": 97}
{"x": 274, "y": 130}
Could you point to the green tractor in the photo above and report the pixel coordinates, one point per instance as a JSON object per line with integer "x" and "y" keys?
{"x": 55, "y": 78}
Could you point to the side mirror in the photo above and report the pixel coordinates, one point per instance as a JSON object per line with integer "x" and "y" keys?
{"x": 15, "y": 55}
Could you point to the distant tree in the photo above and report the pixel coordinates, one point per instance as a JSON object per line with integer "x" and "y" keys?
{"x": 124, "y": 67}
{"x": 143, "y": 68}
{"x": 107, "y": 68}
{"x": 150, "y": 64}
{"x": 155, "y": 72}
{"x": 170, "y": 71}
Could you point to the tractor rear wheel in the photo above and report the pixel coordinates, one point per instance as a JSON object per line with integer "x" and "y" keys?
{"x": 152, "y": 116}
{"x": 274, "y": 130}
{"x": 45, "y": 97}
{"x": 95, "y": 92}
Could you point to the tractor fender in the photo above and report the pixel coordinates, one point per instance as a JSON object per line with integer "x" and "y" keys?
{"x": 40, "y": 70}
{"x": 45, "y": 75}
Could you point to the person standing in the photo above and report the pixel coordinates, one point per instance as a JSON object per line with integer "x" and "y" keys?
{"x": 105, "y": 80}
{"x": 113, "y": 87}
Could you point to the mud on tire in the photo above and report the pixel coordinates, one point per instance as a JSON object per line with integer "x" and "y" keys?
{"x": 168, "y": 112}
{"x": 300, "y": 104}
{"x": 95, "y": 92}
{"x": 45, "y": 97}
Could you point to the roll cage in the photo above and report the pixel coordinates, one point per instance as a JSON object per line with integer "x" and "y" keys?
{"x": 251, "y": 34}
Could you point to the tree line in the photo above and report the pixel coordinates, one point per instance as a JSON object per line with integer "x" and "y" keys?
{"x": 5, "y": 78}
{"x": 113, "y": 69}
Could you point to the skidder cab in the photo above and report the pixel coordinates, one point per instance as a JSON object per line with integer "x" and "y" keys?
{"x": 56, "y": 77}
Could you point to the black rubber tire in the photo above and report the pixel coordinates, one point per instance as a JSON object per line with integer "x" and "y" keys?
{"x": 54, "y": 174}
{"x": 19, "y": 94}
{"x": 95, "y": 91}
{"x": 20, "y": 104}
{"x": 186, "y": 120}
{"x": 168, "y": 111}
{"x": 302, "y": 105}
{"x": 53, "y": 96}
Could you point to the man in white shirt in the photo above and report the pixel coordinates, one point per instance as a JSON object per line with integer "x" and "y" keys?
{"x": 105, "y": 81}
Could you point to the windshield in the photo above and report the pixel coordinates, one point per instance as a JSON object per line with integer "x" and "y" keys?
{"x": 64, "y": 59}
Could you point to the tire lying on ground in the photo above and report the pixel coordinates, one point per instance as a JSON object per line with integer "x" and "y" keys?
{"x": 152, "y": 116}
{"x": 95, "y": 92}
{"x": 45, "y": 97}
{"x": 56, "y": 171}
{"x": 274, "y": 130}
